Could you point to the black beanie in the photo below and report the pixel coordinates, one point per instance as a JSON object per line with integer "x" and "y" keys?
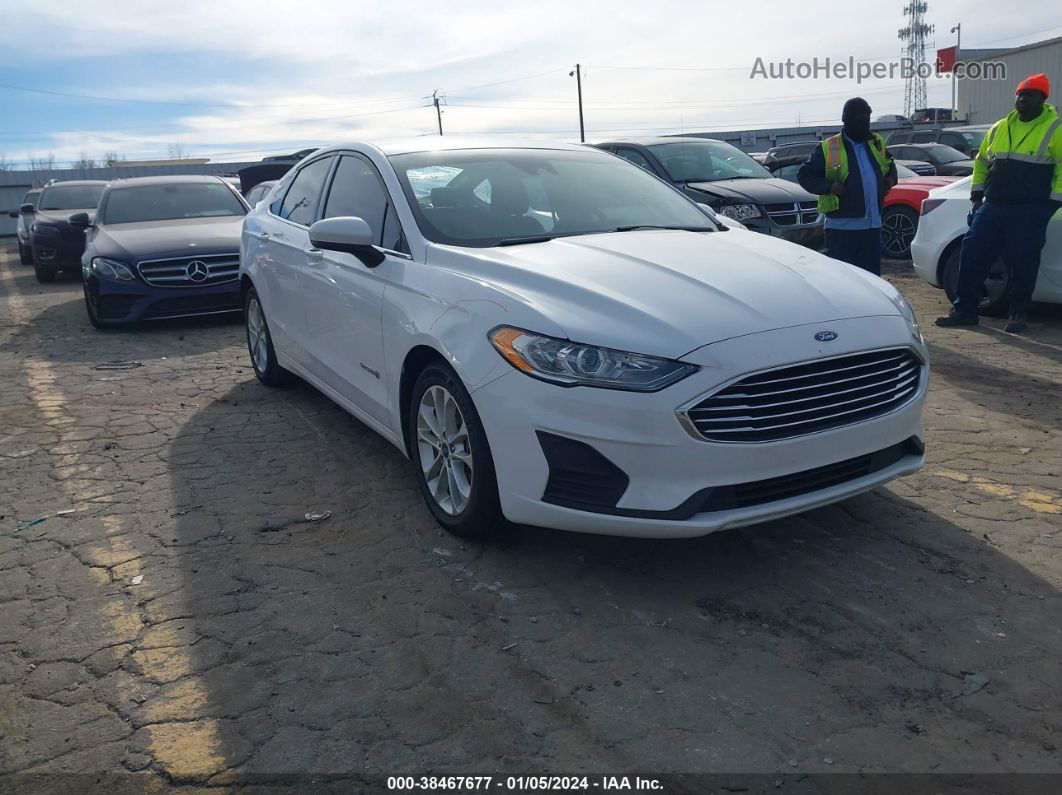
{"x": 855, "y": 105}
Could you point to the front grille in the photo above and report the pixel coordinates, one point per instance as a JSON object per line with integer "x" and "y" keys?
{"x": 791, "y": 213}
{"x": 195, "y": 305}
{"x": 175, "y": 272}
{"x": 808, "y": 398}
{"x": 759, "y": 492}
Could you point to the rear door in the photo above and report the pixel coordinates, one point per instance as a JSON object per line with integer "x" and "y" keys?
{"x": 343, "y": 297}
{"x": 283, "y": 243}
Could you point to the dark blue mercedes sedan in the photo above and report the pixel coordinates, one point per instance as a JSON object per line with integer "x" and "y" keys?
{"x": 162, "y": 247}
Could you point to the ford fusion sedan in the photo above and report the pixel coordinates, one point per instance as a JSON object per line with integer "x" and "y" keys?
{"x": 556, "y": 338}
{"x": 56, "y": 244}
{"x": 935, "y": 251}
{"x": 163, "y": 247}
{"x": 732, "y": 183}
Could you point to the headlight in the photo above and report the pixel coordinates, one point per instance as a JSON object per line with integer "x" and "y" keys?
{"x": 907, "y": 311}
{"x": 112, "y": 269}
{"x": 739, "y": 212}
{"x": 574, "y": 364}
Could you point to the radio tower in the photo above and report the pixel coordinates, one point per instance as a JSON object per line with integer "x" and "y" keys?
{"x": 913, "y": 35}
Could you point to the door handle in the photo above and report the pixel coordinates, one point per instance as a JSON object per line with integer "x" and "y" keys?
{"x": 314, "y": 254}
{"x": 262, "y": 235}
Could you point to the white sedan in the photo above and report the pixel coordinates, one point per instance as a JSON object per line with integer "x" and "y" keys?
{"x": 935, "y": 251}
{"x": 556, "y": 338}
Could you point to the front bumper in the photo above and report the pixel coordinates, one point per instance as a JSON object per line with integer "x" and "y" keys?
{"x": 804, "y": 234}
{"x": 666, "y": 467}
{"x": 57, "y": 251}
{"x": 117, "y": 303}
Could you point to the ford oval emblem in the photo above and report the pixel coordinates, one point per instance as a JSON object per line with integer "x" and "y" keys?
{"x": 826, "y": 336}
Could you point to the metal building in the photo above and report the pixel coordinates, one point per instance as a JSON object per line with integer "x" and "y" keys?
{"x": 985, "y": 101}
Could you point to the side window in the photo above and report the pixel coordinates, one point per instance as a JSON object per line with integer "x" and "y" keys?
{"x": 924, "y": 138}
{"x": 300, "y": 203}
{"x": 357, "y": 190}
{"x": 636, "y": 157}
{"x": 955, "y": 140}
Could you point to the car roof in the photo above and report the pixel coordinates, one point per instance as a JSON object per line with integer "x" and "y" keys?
{"x": 440, "y": 143}
{"x": 75, "y": 183}
{"x": 134, "y": 182}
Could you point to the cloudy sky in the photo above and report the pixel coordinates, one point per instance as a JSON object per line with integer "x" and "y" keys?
{"x": 234, "y": 80}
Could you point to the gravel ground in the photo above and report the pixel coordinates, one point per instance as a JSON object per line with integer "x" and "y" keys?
{"x": 176, "y": 622}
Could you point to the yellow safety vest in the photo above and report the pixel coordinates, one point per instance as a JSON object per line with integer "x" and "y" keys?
{"x": 836, "y": 157}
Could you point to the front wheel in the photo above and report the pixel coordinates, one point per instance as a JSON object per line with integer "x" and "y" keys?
{"x": 997, "y": 290}
{"x": 452, "y": 460}
{"x": 45, "y": 273}
{"x": 898, "y": 227}
{"x": 260, "y": 343}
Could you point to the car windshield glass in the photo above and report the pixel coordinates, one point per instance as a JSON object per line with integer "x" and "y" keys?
{"x": 706, "y": 161}
{"x": 71, "y": 197}
{"x": 903, "y": 172}
{"x": 974, "y": 138}
{"x": 165, "y": 202}
{"x": 481, "y": 197}
{"x": 945, "y": 154}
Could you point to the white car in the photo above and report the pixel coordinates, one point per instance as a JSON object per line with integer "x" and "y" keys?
{"x": 557, "y": 338}
{"x": 935, "y": 251}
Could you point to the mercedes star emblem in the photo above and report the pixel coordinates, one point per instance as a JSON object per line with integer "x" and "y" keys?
{"x": 197, "y": 271}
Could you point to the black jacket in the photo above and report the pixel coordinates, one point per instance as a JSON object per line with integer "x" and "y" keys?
{"x": 812, "y": 177}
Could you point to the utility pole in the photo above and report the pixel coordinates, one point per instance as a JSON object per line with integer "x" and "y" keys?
{"x": 578, "y": 73}
{"x": 957, "y": 30}
{"x": 438, "y": 111}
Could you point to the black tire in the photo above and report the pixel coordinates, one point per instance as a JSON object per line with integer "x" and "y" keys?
{"x": 481, "y": 516}
{"x": 25, "y": 254}
{"x": 995, "y": 295}
{"x": 898, "y": 227}
{"x": 45, "y": 273}
{"x": 265, "y": 363}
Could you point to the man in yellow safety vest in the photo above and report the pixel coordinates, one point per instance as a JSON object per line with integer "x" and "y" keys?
{"x": 851, "y": 173}
{"x": 1016, "y": 188}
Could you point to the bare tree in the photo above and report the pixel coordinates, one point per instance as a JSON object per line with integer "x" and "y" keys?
{"x": 177, "y": 151}
{"x": 45, "y": 163}
{"x": 113, "y": 158}
{"x": 84, "y": 162}
{"x": 5, "y": 165}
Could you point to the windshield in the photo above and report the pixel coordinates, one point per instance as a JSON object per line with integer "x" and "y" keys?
{"x": 163, "y": 202}
{"x": 70, "y": 197}
{"x": 974, "y": 138}
{"x": 945, "y": 154}
{"x": 903, "y": 172}
{"x": 480, "y": 197}
{"x": 706, "y": 161}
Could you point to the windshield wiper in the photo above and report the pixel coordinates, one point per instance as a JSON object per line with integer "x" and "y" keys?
{"x": 518, "y": 241}
{"x": 636, "y": 227}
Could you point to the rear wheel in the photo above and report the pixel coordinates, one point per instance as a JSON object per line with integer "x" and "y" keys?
{"x": 898, "y": 227}
{"x": 452, "y": 460}
{"x": 260, "y": 343}
{"x": 997, "y": 289}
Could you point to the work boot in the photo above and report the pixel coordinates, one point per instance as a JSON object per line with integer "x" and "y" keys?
{"x": 956, "y": 319}
{"x": 1016, "y": 323}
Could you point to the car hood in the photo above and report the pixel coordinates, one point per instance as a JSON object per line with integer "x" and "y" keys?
{"x": 957, "y": 164}
{"x": 926, "y": 183}
{"x": 61, "y": 216}
{"x": 150, "y": 239}
{"x": 773, "y": 190}
{"x": 667, "y": 293}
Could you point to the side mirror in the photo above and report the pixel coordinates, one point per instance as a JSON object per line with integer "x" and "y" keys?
{"x": 26, "y": 209}
{"x": 13, "y": 214}
{"x": 349, "y": 235}
{"x": 80, "y": 221}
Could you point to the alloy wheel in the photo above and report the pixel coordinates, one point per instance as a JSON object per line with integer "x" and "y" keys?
{"x": 257, "y": 339}
{"x": 444, "y": 450}
{"x": 897, "y": 232}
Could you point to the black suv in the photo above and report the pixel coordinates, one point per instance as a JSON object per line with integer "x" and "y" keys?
{"x": 966, "y": 139}
{"x": 57, "y": 245}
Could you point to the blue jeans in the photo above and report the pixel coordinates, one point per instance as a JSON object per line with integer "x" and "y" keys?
{"x": 859, "y": 247}
{"x": 1015, "y": 232}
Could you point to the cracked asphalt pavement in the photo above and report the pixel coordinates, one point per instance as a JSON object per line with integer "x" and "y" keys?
{"x": 175, "y": 621}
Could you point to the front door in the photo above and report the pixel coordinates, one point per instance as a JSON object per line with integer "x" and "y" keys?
{"x": 343, "y": 297}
